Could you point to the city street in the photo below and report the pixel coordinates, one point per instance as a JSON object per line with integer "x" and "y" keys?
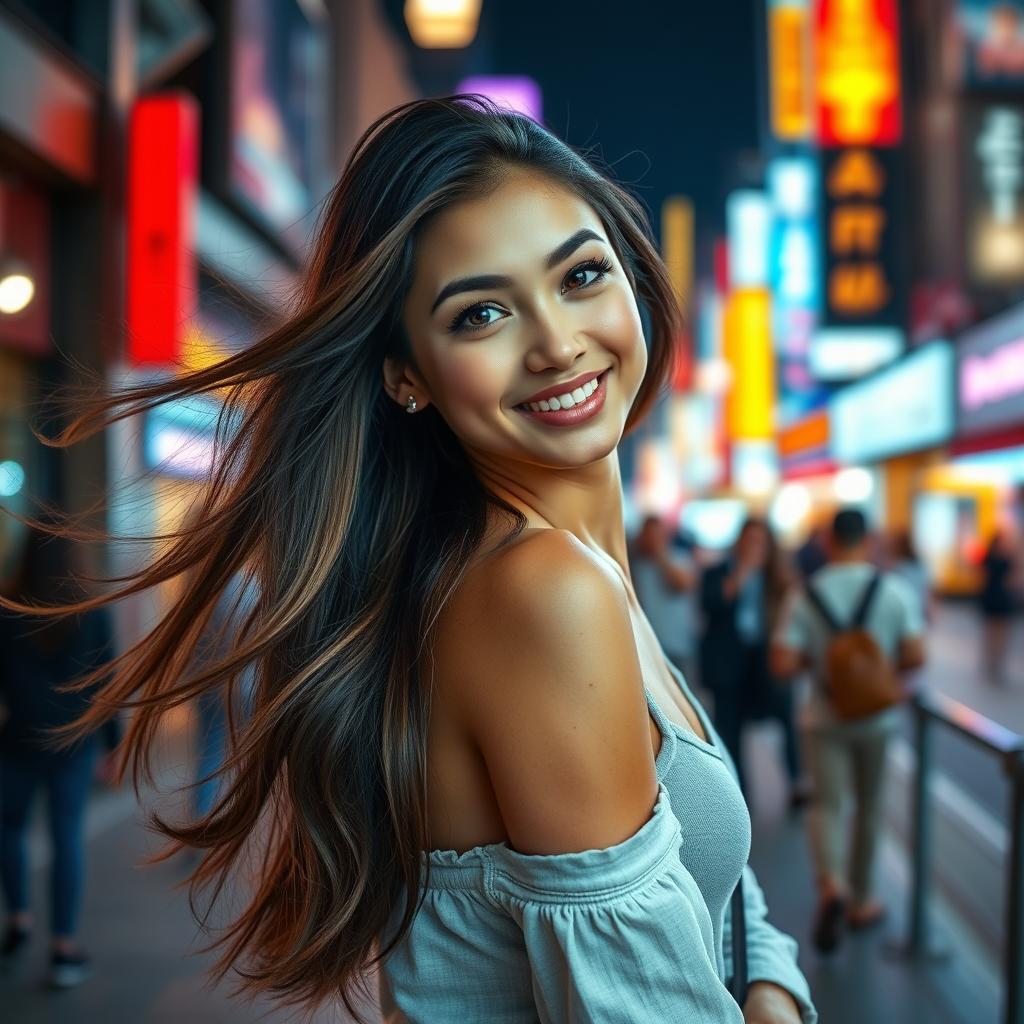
{"x": 144, "y": 942}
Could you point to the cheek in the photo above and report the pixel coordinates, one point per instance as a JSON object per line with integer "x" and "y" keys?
{"x": 617, "y": 324}
{"x": 474, "y": 376}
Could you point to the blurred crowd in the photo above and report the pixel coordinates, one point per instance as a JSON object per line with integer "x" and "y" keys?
{"x": 823, "y": 641}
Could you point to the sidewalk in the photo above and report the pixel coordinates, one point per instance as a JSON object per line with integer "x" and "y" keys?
{"x": 138, "y": 928}
{"x": 954, "y": 664}
{"x": 866, "y": 979}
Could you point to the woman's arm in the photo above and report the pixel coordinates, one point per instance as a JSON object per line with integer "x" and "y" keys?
{"x": 614, "y": 926}
{"x": 554, "y": 699}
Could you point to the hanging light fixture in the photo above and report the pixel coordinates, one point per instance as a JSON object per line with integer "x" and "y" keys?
{"x": 17, "y": 285}
{"x": 442, "y": 24}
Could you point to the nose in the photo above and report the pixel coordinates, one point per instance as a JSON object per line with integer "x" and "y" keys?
{"x": 554, "y": 343}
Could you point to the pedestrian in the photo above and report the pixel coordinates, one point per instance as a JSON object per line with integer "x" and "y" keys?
{"x": 38, "y": 659}
{"x": 742, "y": 599}
{"x": 998, "y": 603}
{"x": 905, "y": 562}
{"x": 855, "y": 629}
{"x": 469, "y": 771}
{"x": 813, "y": 553}
{"x": 665, "y": 579}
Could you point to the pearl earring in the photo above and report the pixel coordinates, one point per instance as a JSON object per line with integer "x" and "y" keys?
{"x": 410, "y": 404}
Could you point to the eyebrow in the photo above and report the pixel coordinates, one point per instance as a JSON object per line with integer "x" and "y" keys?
{"x": 481, "y": 282}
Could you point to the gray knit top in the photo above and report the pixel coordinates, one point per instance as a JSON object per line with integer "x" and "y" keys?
{"x": 638, "y": 932}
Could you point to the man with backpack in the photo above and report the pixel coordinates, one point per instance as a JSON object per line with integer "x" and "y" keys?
{"x": 856, "y": 630}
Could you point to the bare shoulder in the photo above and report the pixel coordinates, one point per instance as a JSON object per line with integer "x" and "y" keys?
{"x": 545, "y": 672}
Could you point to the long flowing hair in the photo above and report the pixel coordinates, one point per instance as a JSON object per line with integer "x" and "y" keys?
{"x": 355, "y": 522}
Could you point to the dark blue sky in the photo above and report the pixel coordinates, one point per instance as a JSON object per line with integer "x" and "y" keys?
{"x": 667, "y": 90}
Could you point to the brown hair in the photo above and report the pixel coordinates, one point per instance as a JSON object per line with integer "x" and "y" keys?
{"x": 355, "y": 527}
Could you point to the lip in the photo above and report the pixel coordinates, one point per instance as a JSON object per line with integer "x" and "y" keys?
{"x": 564, "y": 388}
{"x": 580, "y": 413}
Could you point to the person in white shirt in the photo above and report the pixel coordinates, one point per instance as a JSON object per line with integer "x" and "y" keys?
{"x": 844, "y": 755}
{"x": 664, "y": 579}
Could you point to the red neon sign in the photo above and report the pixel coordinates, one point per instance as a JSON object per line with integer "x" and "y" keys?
{"x": 163, "y": 169}
{"x": 857, "y": 77}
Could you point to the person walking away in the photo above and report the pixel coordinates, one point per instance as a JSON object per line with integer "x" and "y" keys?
{"x": 665, "y": 580}
{"x": 856, "y": 629}
{"x": 997, "y": 602}
{"x": 37, "y": 659}
{"x": 741, "y": 599}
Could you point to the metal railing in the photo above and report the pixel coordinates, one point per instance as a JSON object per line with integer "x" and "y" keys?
{"x": 1008, "y": 747}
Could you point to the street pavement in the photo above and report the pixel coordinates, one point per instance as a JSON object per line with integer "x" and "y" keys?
{"x": 955, "y": 668}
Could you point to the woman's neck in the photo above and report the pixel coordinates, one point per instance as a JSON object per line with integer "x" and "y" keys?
{"x": 585, "y": 500}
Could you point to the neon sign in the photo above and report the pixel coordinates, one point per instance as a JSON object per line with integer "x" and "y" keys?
{"x": 858, "y": 73}
{"x": 788, "y": 39}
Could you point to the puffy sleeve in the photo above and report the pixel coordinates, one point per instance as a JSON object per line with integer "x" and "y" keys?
{"x": 621, "y": 934}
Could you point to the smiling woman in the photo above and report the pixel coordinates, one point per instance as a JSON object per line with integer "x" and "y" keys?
{"x": 467, "y": 766}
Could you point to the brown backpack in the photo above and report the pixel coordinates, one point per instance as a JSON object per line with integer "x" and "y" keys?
{"x": 860, "y": 679}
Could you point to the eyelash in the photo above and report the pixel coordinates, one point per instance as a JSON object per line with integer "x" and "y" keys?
{"x": 602, "y": 266}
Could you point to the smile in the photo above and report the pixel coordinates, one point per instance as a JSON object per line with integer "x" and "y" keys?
{"x": 572, "y": 407}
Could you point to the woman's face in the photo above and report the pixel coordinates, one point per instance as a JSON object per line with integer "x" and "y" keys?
{"x": 518, "y": 298}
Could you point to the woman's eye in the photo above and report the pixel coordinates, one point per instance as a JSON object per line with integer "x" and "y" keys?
{"x": 475, "y": 318}
{"x": 586, "y": 274}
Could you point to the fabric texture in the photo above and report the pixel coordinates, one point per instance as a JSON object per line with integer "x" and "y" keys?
{"x": 638, "y": 932}
{"x": 895, "y": 615}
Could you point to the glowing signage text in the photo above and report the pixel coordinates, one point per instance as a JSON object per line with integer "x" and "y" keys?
{"x": 858, "y": 73}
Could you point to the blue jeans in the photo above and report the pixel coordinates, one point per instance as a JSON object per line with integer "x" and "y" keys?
{"x": 67, "y": 779}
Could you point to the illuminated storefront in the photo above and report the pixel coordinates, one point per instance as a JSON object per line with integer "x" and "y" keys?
{"x": 977, "y": 491}
{"x": 48, "y": 178}
{"x": 893, "y": 425}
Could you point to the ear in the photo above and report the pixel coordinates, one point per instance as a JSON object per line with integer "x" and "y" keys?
{"x": 401, "y": 381}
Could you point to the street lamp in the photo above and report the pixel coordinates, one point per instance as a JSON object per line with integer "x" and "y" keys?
{"x": 442, "y": 24}
{"x": 17, "y": 286}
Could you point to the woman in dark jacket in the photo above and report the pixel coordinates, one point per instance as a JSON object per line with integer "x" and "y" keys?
{"x": 741, "y": 600}
{"x": 38, "y": 657}
{"x": 998, "y": 603}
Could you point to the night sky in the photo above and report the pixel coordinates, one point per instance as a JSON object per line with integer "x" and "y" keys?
{"x": 667, "y": 91}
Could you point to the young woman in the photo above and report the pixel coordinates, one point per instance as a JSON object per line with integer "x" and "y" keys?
{"x": 742, "y": 600}
{"x": 468, "y": 764}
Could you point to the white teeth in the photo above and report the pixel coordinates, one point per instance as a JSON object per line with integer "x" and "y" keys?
{"x": 566, "y": 401}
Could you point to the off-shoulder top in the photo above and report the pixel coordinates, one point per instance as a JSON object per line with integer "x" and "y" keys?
{"x": 638, "y": 932}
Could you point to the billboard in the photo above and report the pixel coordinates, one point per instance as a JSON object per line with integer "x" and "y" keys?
{"x": 990, "y": 375}
{"x": 277, "y": 122}
{"x": 905, "y": 407}
{"x": 993, "y": 154}
{"x": 857, "y": 73}
{"x": 989, "y": 37}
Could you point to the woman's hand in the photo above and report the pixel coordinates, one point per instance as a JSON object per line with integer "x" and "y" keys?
{"x": 768, "y": 1003}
